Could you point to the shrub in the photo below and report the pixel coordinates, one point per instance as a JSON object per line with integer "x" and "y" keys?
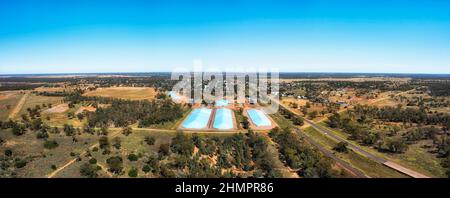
{"x": 50, "y": 144}
{"x": 20, "y": 163}
{"x": 133, "y": 172}
{"x": 245, "y": 123}
{"x": 127, "y": 131}
{"x": 41, "y": 134}
{"x": 92, "y": 161}
{"x": 146, "y": 168}
{"x": 89, "y": 170}
{"x": 164, "y": 149}
{"x": 115, "y": 164}
{"x": 132, "y": 157}
{"x": 8, "y": 152}
{"x": 150, "y": 140}
{"x": 341, "y": 147}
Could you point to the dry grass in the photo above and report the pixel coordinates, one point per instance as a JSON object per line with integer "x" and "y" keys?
{"x": 8, "y": 102}
{"x": 130, "y": 93}
{"x": 33, "y": 100}
{"x": 83, "y": 108}
{"x": 61, "y": 108}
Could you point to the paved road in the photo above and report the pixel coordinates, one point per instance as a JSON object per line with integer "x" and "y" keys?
{"x": 381, "y": 160}
{"x": 356, "y": 148}
{"x": 350, "y": 145}
{"x": 345, "y": 165}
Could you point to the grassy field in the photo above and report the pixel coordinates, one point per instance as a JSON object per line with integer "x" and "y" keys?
{"x": 34, "y": 100}
{"x": 134, "y": 143}
{"x": 40, "y": 159}
{"x": 61, "y": 118}
{"x": 8, "y": 100}
{"x": 130, "y": 93}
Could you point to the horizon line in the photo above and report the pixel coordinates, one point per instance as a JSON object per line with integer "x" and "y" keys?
{"x": 281, "y": 72}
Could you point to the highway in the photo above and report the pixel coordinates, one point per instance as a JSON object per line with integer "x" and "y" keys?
{"x": 343, "y": 164}
{"x": 358, "y": 149}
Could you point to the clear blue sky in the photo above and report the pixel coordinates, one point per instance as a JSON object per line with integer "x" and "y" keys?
{"x": 406, "y": 36}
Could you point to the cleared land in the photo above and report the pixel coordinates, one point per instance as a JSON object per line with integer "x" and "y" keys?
{"x": 129, "y": 93}
{"x": 58, "y": 109}
{"x": 8, "y": 103}
{"x": 32, "y": 100}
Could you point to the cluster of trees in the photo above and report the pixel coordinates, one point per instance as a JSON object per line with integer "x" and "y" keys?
{"x": 313, "y": 88}
{"x": 192, "y": 156}
{"x": 421, "y": 133}
{"x": 10, "y": 162}
{"x": 122, "y": 113}
{"x": 363, "y": 134}
{"x": 21, "y": 86}
{"x": 439, "y": 88}
{"x": 358, "y": 126}
{"x": 297, "y": 155}
{"x": 405, "y": 115}
{"x": 163, "y": 82}
{"x": 297, "y": 120}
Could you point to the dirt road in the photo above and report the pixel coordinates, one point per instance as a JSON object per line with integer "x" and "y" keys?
{"x": 19, "y": 106}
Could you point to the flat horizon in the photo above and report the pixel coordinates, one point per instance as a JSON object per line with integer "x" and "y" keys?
{"x": 281, "y": 72}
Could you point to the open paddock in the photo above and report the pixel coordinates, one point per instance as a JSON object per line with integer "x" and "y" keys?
{"x": 128, "y": 93}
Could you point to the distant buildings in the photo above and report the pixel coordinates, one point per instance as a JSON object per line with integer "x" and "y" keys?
{"x": 252, "y": 101}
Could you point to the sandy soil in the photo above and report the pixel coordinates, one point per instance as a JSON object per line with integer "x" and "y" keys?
{"x": 58, "y": 109}
{"x": 81, "y": 109}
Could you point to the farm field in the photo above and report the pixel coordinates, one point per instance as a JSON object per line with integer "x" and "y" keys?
{"x": 8, "y": 102}
{"x": 129, "y": 93}
{"x": 33, "y": 100}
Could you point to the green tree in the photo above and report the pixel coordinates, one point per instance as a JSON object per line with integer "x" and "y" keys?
{"x": 245, "y": 123}
{"x": 115, "y": 164}
{"x": 89, "y": 170}
{"x": 341, "y": 147}
{"x": 133, "y": 172}
{"x": 133, "y": 157}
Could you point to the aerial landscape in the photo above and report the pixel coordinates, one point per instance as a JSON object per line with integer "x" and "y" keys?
{"x": 129, "y": 126}
{"x": 95, "y": 90}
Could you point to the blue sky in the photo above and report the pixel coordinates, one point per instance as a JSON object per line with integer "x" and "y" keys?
{"x": 302, "y": 36}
